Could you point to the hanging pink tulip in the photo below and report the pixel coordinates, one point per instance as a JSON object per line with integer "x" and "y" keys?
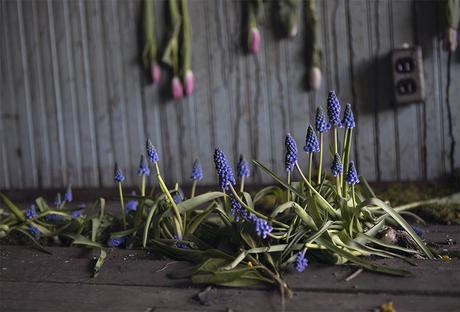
{"x": 315, "y": 78}
{"x": 189, "y": 82}
{"x": 254, "y": 44}
{"x": 155, "y": 71}
{"x": 177, "y": 89}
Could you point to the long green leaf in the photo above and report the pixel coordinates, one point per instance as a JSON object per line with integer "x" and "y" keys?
{"x": 12, "y": 207}
{"x": 99, "y": 262}
{"x": 400, "y": 220}
{"x": 277, "y": 179}
{"x": 147, "y": 224}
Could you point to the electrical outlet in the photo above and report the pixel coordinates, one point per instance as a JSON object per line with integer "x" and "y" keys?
{"x": 408, "y": 79}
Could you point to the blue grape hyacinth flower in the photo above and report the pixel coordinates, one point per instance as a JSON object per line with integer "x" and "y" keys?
{"x": 34, "y": 231}
{"x": 116, "y": 241}
{"x": 321, "y": 124}
{"x": 31, "y": 212}
{"x": 224, "y": 170}
{"x": 348, "y": 119}
{"x": 301, "y": 262}
{"x": 352, "y": 174}
{"x": 237, "y": 210}
{"x": 291, "y": 153}
{"x": 337, "y": 167}
{"x": 68, "y": 196}
{"x": 243, "y": 168}
{"x": 197, "y": 171}
{"x": 261, "y": 226}
{"x": 179, "y": 244}
{"x": 131, "y": 205}
{"x": 118, "y": 174}
{"x": 143, "y": 167}
{"x": 76, "y": 214}
{"x": 333, "y": 109}
{"x": 311, "y": 141}
{"x": 151, "y": 152}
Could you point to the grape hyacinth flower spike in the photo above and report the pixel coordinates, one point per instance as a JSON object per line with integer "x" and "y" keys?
{"x": 348, "y": 120}
{"x": 197, "y": 175}
{"x": 261, "y": 226}
{"x": 352, "y": 174}
{"x": 336, "y": 167}
{"x": 243, "y": 171}
{"x": 333, "y": 109}
{"x": 68, "y": 196}
{"x": 311, "y": 146}
{"x": 151, "y": 152}
{"x": 224, "y": 170}
{"x": 321, "y": 126}
{"x": 34, "y": 231}
{"x": 301, "y": 262}
{"x": 143, "y": 172}
{"x": 31, "y": 212}
{"x": 237, "y": 210}
{"x": 291, "y": 153}
{"x": 119, "y": 177}
{"x": 116, "y": 242}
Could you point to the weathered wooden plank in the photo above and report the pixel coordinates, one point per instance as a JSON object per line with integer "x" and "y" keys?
{"x": 36, "y": 297}
{"x": 117, "y": 105}
{"x": 361, "y": 50}
{"x": 430, "y": 277}
{"x": 105, "y": 140}
{"x": 385, "y": 139}
{"x": 37, "y": 98}
{"x": 83, "y": 95}
{"x": 407, "y": 119}
{"x": 69, "y": 125}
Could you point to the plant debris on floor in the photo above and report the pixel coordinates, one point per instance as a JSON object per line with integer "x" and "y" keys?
{"x": 331, "y": 217}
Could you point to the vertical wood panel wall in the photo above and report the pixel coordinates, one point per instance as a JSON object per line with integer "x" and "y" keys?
{"x": 74, "y": 98}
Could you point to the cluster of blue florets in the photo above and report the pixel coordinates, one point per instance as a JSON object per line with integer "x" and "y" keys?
{"x": 311, "y": 141}
{"x": 197, "y": 171}
{"x": 224, "y": 170}
{"x": 143, "y": 167}
{"x": 262, "y": 227}
{"x": 31, "y": 212}
{"x": 348, "y": 120}
{"x": 118, "y": 174}
{"x": 291, "y": 153}
{"x": 151, "y": 152}
{"x": 34, "y": 231}
{"x": 301, "y": 262}
{"x": 336, "y": 167}
{"x": 116, "y": 241}
{"x": 243, "y": 168}
{"x": 333, "y": 109}
{"x": 352, "y": 175}
{"x": 321, "y": 124}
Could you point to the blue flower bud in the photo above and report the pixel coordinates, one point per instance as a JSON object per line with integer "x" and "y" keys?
{"x": 31, "y": 212}
{"x": 116, "y": 241}
{"x": 301, "y": 263}
{"x": 237, "y": 210}
{"x": 348, "y": 119}
{"x": 118, "y": 174}
{"x": 179, "y": 244}
{"x": 143, "y": 167}
{"x": 261, "y": 226}
{"x": 197, "y": 171}
{"x": 224, "y": 170}
{"x": 320, "y": 121}
{"x": 336, "y": 167}
{"x": 151, "y": 152}
{"x": 352, "y": 175}
{"x": 131, "y": 205}
{"x": 243, "y": 168}
{"x": 333, "y": 109}
{"x": 34, "y": 231}
{"x": 68, "y": 197}
{"x": 291, "y": 153}
{"x": 311, "y": 141}
{"x": 76, "y": 214}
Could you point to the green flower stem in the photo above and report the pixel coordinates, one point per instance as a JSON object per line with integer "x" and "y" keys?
{"x": 143, "y": 185}
{"x": 177, "y": 219}
{"x": 310, "y": 161}
{"x": 320, "y": 168}
{"x": 289, "y": 183}
{"x": 258, "y": 214}
{"x": 193, "y": 189}
{"x": 346, "y": 158}
{"x": 122, "y": 203}
{"x": 186, "y": 37}
{"x": 242, "y": 185}
{"x": 149, "y": 53}
{"x": 325, "y": 202}
{"x": 339, "y": 192}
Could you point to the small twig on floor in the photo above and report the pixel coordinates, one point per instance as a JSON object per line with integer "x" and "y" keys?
{"x": 353, "y": 275}
{"x": 165, "y": 266}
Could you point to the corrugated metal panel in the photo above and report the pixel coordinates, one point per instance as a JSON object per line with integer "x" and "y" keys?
{"x": 74, "y": 98}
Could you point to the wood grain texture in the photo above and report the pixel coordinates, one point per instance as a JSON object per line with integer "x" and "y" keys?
{"x": 75, "y": 98}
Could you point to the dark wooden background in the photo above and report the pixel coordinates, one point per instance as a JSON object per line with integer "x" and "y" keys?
{"x": 74, "y": 98}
